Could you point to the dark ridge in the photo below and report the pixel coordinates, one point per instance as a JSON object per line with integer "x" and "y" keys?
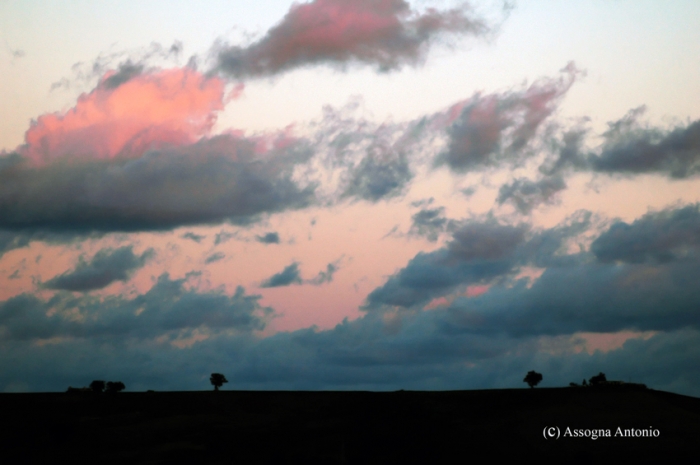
{"x": 274, "y": 427}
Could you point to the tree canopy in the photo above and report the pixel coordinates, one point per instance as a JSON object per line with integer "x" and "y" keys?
{"x": 115, "y": 386}
{"x": 217, "y": 380}
{"x": 97, "y": 385}
{"x": 598, "y": 379}
{"x": 532, "y": 378}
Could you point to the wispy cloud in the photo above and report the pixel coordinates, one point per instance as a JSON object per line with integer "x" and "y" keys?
{"x": 269, "y": 238}
{"x": 106, "y": 267}
{"x": 493, "y": 130}
{"x": 290, "y": 275}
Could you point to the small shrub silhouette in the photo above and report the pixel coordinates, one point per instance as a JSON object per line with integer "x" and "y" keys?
{"x": 217, "y": 380}
{"x": 532, "y": 378}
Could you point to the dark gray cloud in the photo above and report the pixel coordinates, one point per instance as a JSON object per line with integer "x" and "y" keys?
{"x": 192, "y": 236}
{"x": 371, "y": 162}
{"x": 429, "y": 223}
{"x": 379, "y": 176}
{"x": 468, "y": 191}
{"x": 423, "y": 202}
{"x": 385, "y": 34}
{"x": 118, "y": 67}
{"x": 526, "y": 195}
{"x": 213, "y": 181}
{"x": 581, "y": 292}
{"x": 478, "y": 252}
{"x": 568, "y": 153}
{"x": 418, "y": 352}
{"x": 106, "y": 267}
{"x": 592, "y": 297}
{"x": 223, "y": 236}
{"x": 125, "y": 72}
{"x": 326, "y": 276}
{"x": 269, "y": 238}
{"x": 670, "y": 234}
{"x": 631, "y": 149}
{"x": 494, "y": 129}
{"x": 215, "y": 257}
{"x": 167, "y": 309}
{"x": 484, "y": 341}
{"x": 15, "y": 239}
{"x": 290, "y": 275}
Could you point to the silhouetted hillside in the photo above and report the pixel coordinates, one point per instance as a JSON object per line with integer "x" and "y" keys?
{"x": 350, "y": 427}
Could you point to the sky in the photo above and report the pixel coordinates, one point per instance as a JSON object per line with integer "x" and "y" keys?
{"x": 349, "y": 195}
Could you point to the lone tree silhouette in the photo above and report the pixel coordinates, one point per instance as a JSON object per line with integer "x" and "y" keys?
{"x": 97, "y": 386}
{"x": 115, "y": 386}
{"x": 532, "y": 378}
{"x": 217, "y": 380}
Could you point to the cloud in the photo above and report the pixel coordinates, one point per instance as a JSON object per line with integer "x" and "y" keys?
{"x": 629, "y": 281}
{"x": 631, "y": 148}
{"x": 473, "y": 341}
{"x": 290, "y": 275}
{"x": 362, "y": 160}
{"x": 192, "y": 236}
{"x": 525, "y": 195}
{"x": 136, "y": 155}
{"x": 657, "y": 237}
{"x": 215, "y": 180}
{"x": 15, "y": 239}
{"x": 385, "y": 34}
{"x": 215, "y": 257}
{"x": 568, "y": 153}
{"x": 429, "y": 223}
{"x": 106, "y": 267}
{"x": 420, "y": 353}
{"x": 478, "y": 252}
{"x": 124, "y": 73}
{"x": 324, "y": 277}
{"x": 223, "y": 236}
{"x": 120, "y": 66}
{"x": 378, "y": 176}
{"x": 488, "y": 130}
{"x": 127, "y": 114}
{"x": 167, "y": 309}
{"x": 269, "y": 238}
{"x": 592, "y": 297}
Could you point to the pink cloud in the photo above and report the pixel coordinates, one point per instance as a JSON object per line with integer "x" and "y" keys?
{"x": 386, "y": 33}
{"x": 153, "y": 110}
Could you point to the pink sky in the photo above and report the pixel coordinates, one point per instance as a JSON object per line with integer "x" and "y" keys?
{"x": 230, "y": 199}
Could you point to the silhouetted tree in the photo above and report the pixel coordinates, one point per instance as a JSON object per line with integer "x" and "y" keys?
{"x": 532, "y": 378}
{"x": 115, "y": 386}
{"x": 597, "y": 379}
{"x": 217, "y": 380}
{"x": 97, "y": 386}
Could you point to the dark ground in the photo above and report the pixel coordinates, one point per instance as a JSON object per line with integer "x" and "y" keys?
{"x": 244, "y": 427}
